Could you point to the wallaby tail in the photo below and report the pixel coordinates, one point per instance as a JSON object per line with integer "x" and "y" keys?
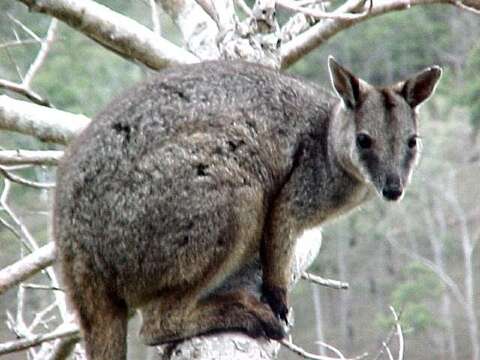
{"x": 103, "y": 317}
{"x": 104, "y": 327}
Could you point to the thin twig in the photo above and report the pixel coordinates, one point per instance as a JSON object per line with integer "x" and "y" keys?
{"x": 42, "y": 53}
{"x": 301, "y": 352}
{"x": 19, "y": 345}
{"x": 10, "y": 227}
{"x": 447, "y": 280}
{"x": 23, "y": 90}
{"x": 334, "y": 284}
{"x": 387, "y": 349}
{"x": 209, "y": 8}
{"x": 12, "y": 60}
{"x": 244, "y": 7}
{"x": 24, "y": 28}
{"x": 157, "y": 29}
{"x": 396, "y": 329}
{"x": 401, "y": 348}
{"x": 20, "y": 180}
{"x": 26, "y": 267}
{"x": 25, "y": 237}
{"x": 18, "y": 43}
{"x": 29, "y": 157}
{"x": 39, "y": 317}
{"x": 116, "y": 32}
{"x": 332, "y": 349}
{"x": 462, "y": 6}
{"x": 319, "y": 14}
{"x": 41, "y": 287}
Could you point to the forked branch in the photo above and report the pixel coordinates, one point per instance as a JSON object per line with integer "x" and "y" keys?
{"x": 114, "y": 31}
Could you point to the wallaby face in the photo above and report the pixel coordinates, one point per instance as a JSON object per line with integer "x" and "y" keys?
{"x": 377, "y": 136}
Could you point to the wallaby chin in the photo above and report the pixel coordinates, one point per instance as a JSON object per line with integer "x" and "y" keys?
{"x": 393, "y": 197}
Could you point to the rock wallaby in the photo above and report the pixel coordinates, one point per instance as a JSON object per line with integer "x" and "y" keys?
{"x": 182, "y": 182}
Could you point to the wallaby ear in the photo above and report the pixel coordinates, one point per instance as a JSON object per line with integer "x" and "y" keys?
{"x": 419, "y": 88}
{"x": 345, "y": 84}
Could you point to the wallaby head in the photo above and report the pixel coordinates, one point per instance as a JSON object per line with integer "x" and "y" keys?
{"x": 374, "y": 130}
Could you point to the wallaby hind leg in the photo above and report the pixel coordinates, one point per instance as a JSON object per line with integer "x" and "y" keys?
{"x": 233, "y": 311}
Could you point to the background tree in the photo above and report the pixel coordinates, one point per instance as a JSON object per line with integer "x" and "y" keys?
{"x": 46, "y": 65}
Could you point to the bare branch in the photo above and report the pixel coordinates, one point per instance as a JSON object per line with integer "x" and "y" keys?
{"x": 18, "y": 42}
{"x": 41, "y": 287}
{"x": 332, "y": 349}
{"x": 157, "y": 29}
{"x": 114, "y": 31}
{"x": 323, "y": 31}
{"x": 24, "y": 235}
{"x": 70, "y": 331}
{"x": 19, "y": 180}
{"x": 61, "y": 349}
{"x": 27, "y": 266}
{"x": 447, "y": 280}
{"x": 465, "y": 7}
{"x": 334, "y": 284}
{"x": 209, "y": 9}
{"x": 244, "y": 7}
{"x": 10, "y": 227}
{"x": 199, "y": 31}
{"x": 46, "y": 124}
{"x": 301, "y": 352}
{"x": 29, "y": 157}
{"x": 25, "y": 28}
{"x": 401, "y": 348}
{"x": 42, "y": 54}
{"x": 387, "y": 349}
{"x": 318, "y": 14}
{"x": 23, "y": 90}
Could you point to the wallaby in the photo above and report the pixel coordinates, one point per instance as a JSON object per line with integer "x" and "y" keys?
{"x": 184, "y": 181}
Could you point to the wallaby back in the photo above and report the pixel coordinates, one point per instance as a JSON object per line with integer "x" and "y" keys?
{"x": 180, "y": 186}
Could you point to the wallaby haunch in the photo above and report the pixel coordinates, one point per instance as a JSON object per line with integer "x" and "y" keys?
{"x": 187, "y": 179}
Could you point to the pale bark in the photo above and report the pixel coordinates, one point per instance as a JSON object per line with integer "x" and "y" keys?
{"x": 68, "y": 331}
{"x": 114, "y": 31}
{"x": 27, "y": 267}
{"x": 29, "y": 157}
{"x": 320, "y": 33}
{"x": 198, "y": 29}
{"x": 46, "y": 124}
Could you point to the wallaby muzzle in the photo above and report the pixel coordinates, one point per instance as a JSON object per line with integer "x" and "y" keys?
{"x": 393, "y": 189}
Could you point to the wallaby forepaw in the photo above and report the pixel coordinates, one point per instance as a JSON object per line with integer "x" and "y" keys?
{"x": 276, "y": 297}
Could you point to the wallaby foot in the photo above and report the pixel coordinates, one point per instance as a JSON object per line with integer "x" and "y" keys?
{"x": 235, "y": 311}
{"x": 276, "y": 297}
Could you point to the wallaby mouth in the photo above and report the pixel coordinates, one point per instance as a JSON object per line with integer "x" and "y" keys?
{"x": 392, "y": 193}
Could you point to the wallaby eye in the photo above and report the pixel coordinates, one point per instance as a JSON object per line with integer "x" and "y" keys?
{"x": 412, "y": 142}
{"x": 364, "y": 141}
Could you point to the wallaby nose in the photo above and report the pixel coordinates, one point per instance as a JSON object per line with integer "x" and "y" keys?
{"x": 393, "y": 188}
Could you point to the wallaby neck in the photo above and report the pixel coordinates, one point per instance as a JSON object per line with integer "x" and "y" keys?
{"x": 331, "y": 187}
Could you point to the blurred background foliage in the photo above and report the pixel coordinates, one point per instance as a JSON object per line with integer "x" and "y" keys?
{"x": 384, "y": 251}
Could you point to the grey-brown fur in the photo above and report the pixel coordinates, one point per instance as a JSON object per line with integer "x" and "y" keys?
{"x": 192, "y": 177}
